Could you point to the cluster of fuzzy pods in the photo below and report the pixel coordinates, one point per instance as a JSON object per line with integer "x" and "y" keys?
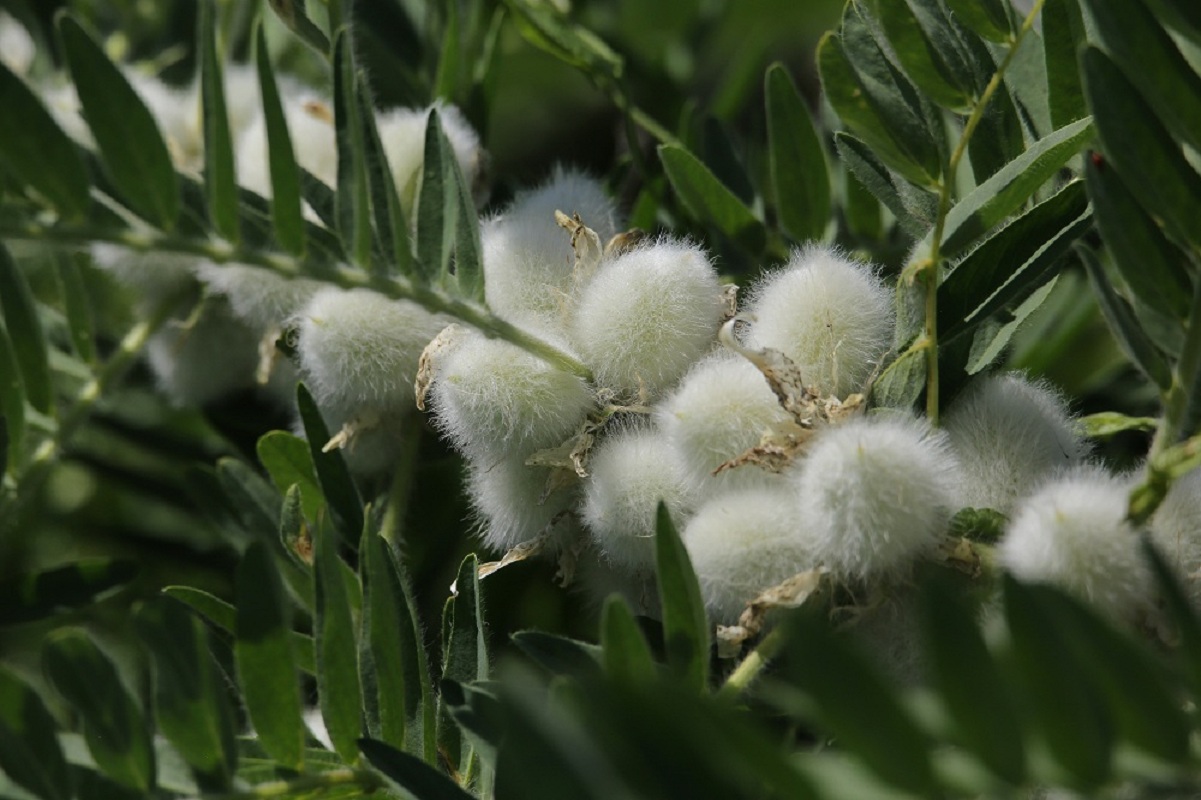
{"x": 759, "y": 447}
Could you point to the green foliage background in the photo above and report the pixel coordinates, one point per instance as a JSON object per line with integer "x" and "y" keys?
{"x": 121, "y": 513}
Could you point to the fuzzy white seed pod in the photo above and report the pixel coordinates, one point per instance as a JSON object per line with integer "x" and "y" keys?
{"x": 1176, "y": 530}
{"x": 647, "y": 315}
{"x": 831, "y": 315}
{"x": 402, "y": 133}
{"x": 528, "y": 260}
{"x": 629, "y": 474}
{"x": 514, "y": 503}
{"x": 875, "y": 494}
{"x": 1009, "y": 433}
{"x": 719, "y": 411}
{"x": 1073, "y": 533}
{"x": 17, "y": 49}
{"x": 260, "y": 298}
{"x": 311, "y": 126}
{"x": 204, "y": 359}
{"x": 359, "y": 348}
{"x": 742, "y": 542}
{"x": 491, "y": 398}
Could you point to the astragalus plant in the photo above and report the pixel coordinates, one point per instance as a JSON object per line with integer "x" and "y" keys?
{"x": 765, "y": 429}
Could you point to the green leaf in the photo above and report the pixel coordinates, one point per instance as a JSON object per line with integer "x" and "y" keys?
{"x": 220, "y": 182}
{"x": 1138, "y": 146}
{"x": 1183, "y": 404}
{"x": 624, "y": 651}
{"x": 708, "y": 200}
{"x": 76, "y": 305}
{"x": 559, "y": 655}
{"x": 337, "y": 651}
{"x": 447, "y": 77}
{"x": 914, "y": 208}
{"x": 285, "y": 176}
{"x": 353, "y": 190}
{"x": 129, "y": 140}
{"x": 225, "y": 617}
{"x": 876, "y": 102}
{"x": 1013, "y": 262}
{"x": 266, "y": 664}
{"x": 292, "y": 14}
{"x": 988, "y": 18}
{"x": 190, "y": 703}
{"x": 1151, "y": 266}
{"x": 924, "y": 44}
{"x": 685, "y": 625}
{"x": 437, "y": 203}
{"x": 1005, "y": 192}
{"x": 1130, "y": 35}
{"x": 1063, "y": 701}
{"x": 800, "y": 179}
{"x": 858, "y": 707}
{"x": 35, "y": 151}
{"x": 545, "y": 26}
{"x": 467, "y": 648}
{"x": 1125, "y": 327}
{"x": 1063, "y": 33}
{"x": 390, "y": 224}
{"x": 394, "y": 686}
{"x": 336, "y": 483}
{"x": 1183, "y": 15}
{"x": 113, "y": 727}
{"x": 970, "y": 684}
{"x": 289, "y": 463}
{"x": 902, "y": 382}
{"x": 1145, "y": 705}
{"x": 26, "y": 339}
{"x": 861, "y": 209}
{"x": 1104, "y": 424}
{"x": 477, "y": 712}
{"x": 30, "y": 755}
{"x": 410, "y": 773}
{"x": 12, "y": 404}
{"x": 36, "y": 595}
{"x": 469, "y": 251}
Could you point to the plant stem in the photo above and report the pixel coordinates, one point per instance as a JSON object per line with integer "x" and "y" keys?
{"x": 338, "y": 778}
{"x": 927, "y": 269}
{"x": 220, "y": 252}
{"x": 746, "y": 672}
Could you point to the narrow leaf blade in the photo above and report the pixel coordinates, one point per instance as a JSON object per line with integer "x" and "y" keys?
{"x": 286, "y": 216}
{"x": 800, "y": 178}
{"x": 220, "y": 182}
{"x": 685, "y": 625}
{"x": 133, "y": 149}
{"x": 25, "y": 333}
{"x": 707, "y": 199}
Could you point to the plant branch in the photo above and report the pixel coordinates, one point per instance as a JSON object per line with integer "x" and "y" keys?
{"x": 221, "y": 252}
{"x": 927, "y": 269}
{"x": 751, "y": 666}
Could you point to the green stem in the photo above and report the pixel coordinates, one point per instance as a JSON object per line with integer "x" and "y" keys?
{"x": 221, "y": 252}
{"x": 746, "y": 672}
{"x": 928, "y": 268}
{"x": 334, "y": 779}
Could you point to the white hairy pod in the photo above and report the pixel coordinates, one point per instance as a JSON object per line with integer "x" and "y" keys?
{"x": 402, "y": 133}
{"x": 1073, "y": 533}
{"x": 629, "y": 473}
{"x": 197, "y": 361}
{"x": 875, "y": 493}
{"x": 742, "y": 542}
{"x": 1176, "y": 531}
{"x": 721, "y": 409}
{"x": 513, "y": 503}
{"x": 647, "y": 316}
{"x": 829, "y": 314}
{"x": 492, "y": 399}
{"x": 1009, "y": 433}
{"x": 528, "y": 259}
{"x": 260, "y": 298}
{"x": 359, "y": 349}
